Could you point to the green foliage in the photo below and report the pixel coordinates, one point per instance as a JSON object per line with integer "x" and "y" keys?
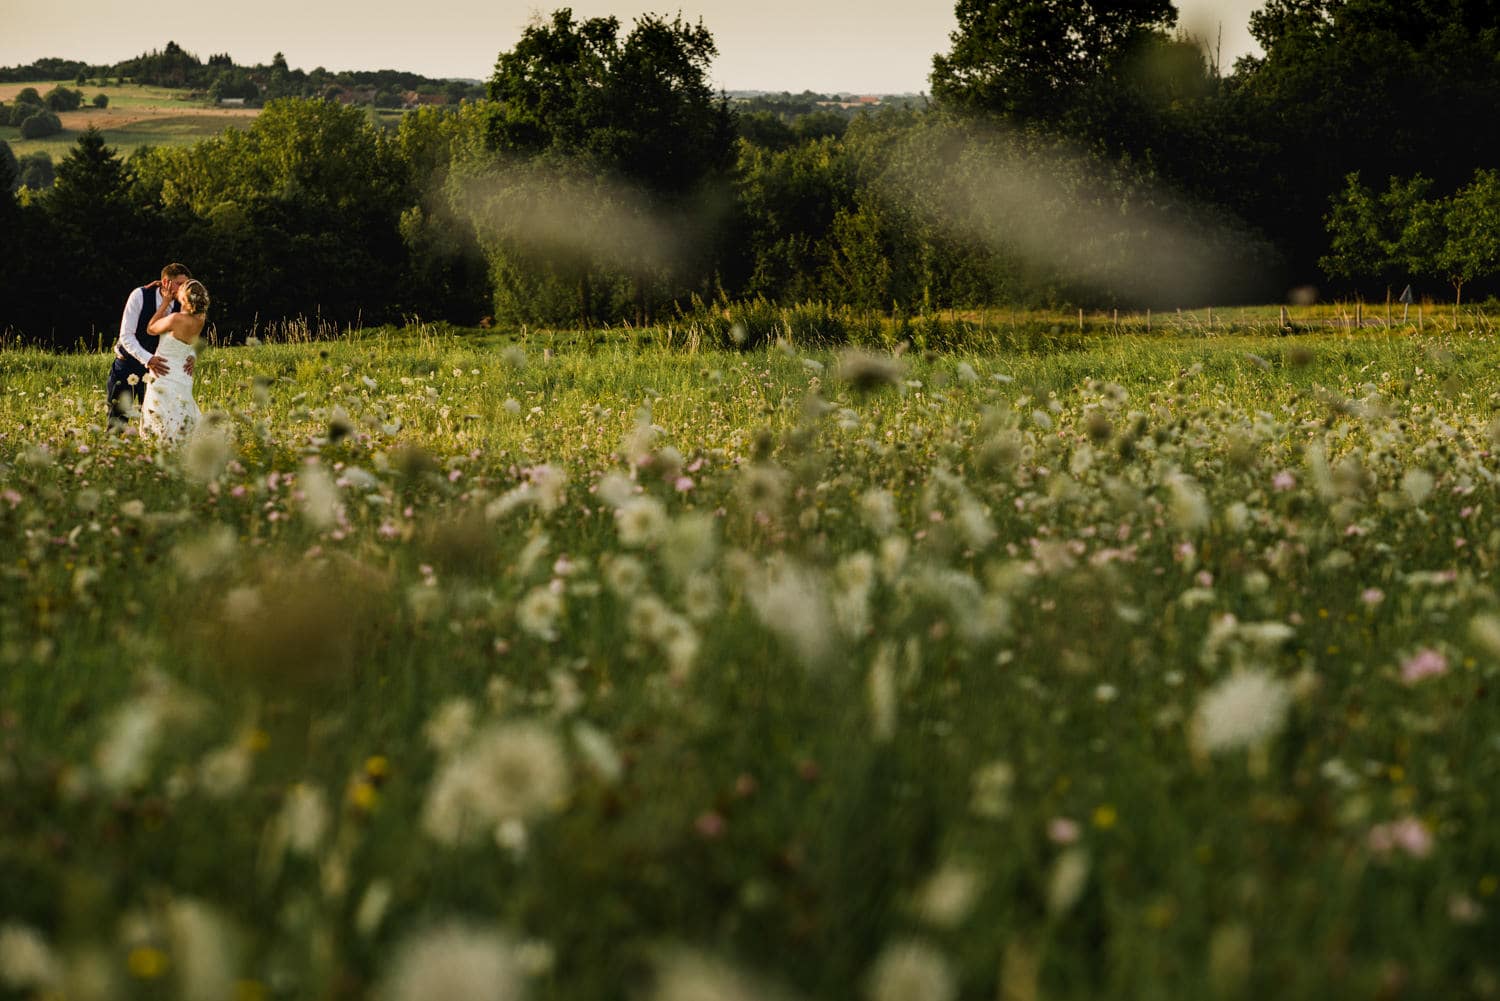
{"x": 10, "y": 171}
{"x": 1456, "y": 239}
{"x": 63, "y": 99}
{"x": 1027, "y": 60}
{"x": 101, "y": 101}
{"x": 35, "y": 171}
{"x": 40, "y": 124}
{"x": 604, "y": 142}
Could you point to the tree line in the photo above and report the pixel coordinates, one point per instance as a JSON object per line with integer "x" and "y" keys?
{"x": 1080, "y": 154}
{"x": 220, "y": 77}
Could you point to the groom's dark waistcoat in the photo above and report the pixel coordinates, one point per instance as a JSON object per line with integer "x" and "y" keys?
{"x": 148, "y": 341}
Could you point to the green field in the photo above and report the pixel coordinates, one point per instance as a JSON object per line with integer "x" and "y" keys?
{"x": 1152, "y": 667}
{"x": 137, "y": 116}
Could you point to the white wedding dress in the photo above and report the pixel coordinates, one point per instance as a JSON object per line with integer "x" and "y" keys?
{"x": 169, "y": 412}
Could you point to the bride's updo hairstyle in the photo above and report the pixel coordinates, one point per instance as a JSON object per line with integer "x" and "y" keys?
{"x": 197, "y": 298}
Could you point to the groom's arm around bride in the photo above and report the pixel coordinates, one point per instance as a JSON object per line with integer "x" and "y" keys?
{"x": 135, "y": 351}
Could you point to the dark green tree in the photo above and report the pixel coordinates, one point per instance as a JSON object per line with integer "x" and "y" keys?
{"x": 1030, "y": 60}
{"x": 1387, "y": 87}
{"x": 627, "y": 129}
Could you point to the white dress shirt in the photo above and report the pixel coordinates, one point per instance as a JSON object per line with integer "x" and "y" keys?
{"x": 131, "y": 318}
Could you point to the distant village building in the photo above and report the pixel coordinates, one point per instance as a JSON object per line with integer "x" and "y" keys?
{"x": 232, "y": 102}
{"x": 415, "y": 99}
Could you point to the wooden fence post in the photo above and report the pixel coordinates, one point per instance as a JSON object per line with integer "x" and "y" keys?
{"x": 1284, "y": 321}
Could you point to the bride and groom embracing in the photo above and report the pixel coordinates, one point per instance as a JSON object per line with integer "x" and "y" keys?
{"x": 153, "y": 366}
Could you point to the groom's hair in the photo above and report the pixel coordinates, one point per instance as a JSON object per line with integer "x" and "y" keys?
{"x": 176, "y": 271}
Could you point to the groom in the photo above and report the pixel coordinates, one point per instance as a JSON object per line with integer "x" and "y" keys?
{"x": 135, "y": 351}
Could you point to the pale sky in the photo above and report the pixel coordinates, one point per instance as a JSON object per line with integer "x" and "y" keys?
{"x": 880, "y": 46}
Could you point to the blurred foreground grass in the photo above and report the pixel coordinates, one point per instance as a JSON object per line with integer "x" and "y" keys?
{"x": 1157, "y": 667}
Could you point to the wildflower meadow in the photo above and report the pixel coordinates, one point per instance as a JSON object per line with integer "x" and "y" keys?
{"x": 430, "y": 668}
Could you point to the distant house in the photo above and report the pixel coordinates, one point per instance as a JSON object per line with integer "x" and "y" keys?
{"x": 416, "y": 99}
{"x": 232, "y": 102}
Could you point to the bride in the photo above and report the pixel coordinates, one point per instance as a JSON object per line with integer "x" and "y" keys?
{"x": 169, "y": 411}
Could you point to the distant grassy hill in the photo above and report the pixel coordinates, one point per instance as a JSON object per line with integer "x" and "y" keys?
{"x": 136, "y": 116}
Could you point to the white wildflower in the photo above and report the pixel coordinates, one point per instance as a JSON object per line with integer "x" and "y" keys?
{"x": 451, "y": 726}
{"x": 685, "y": 975}
{"x": 454, "y": 962}
{"x": 990, "y": 788}
{"x": 598, "y": 752}
{"x": 911, "y": 971}
{"x": 881, "y": 688}
{"x": 1066, "y": 882}
{"x": 1484, "y": 632}
{"x": 373, "y": 904}
{"x": 640, "y": 521}
{"x": 538, "y": 612}
{"x": 511, "y": 771}
{"x": 1417, "y": 485}
{"x": 320, "y": 498}
{"x": 210, "y": 552}
{"x": 791, "y": 602}
{"x": 878, "y": 507}
{"x": 224, "y": 772}
{"x": 26, "y": 962}
{"x": 203, "y": 951}
{"x": 1187, "y": 504}
{"x": 949, "y": 894}
{"x": 1245, "y": 709}
{"x": 304, "y": 818}
{"x": 625, "y": 576}
{"x": 207, "y": 452}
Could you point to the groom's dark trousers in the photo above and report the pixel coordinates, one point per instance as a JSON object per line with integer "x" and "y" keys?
{"x": 125, "y": 366}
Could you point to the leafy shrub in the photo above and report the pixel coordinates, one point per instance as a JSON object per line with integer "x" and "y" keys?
{"x": 63, "y": 99}
{"x": 43, "y": 123}
{"x": 101, "y": 100}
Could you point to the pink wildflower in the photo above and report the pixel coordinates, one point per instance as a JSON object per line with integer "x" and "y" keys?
{"x": 1062, "y": 831}
{"x": 1284, "y": 481}
{"x": 1425, "y": 663}
{"x": 1407, "y": 835}
{"x": 1372, "y": 596}
{"x": 710, "y": 824}
{"x": 683, "y": 484}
